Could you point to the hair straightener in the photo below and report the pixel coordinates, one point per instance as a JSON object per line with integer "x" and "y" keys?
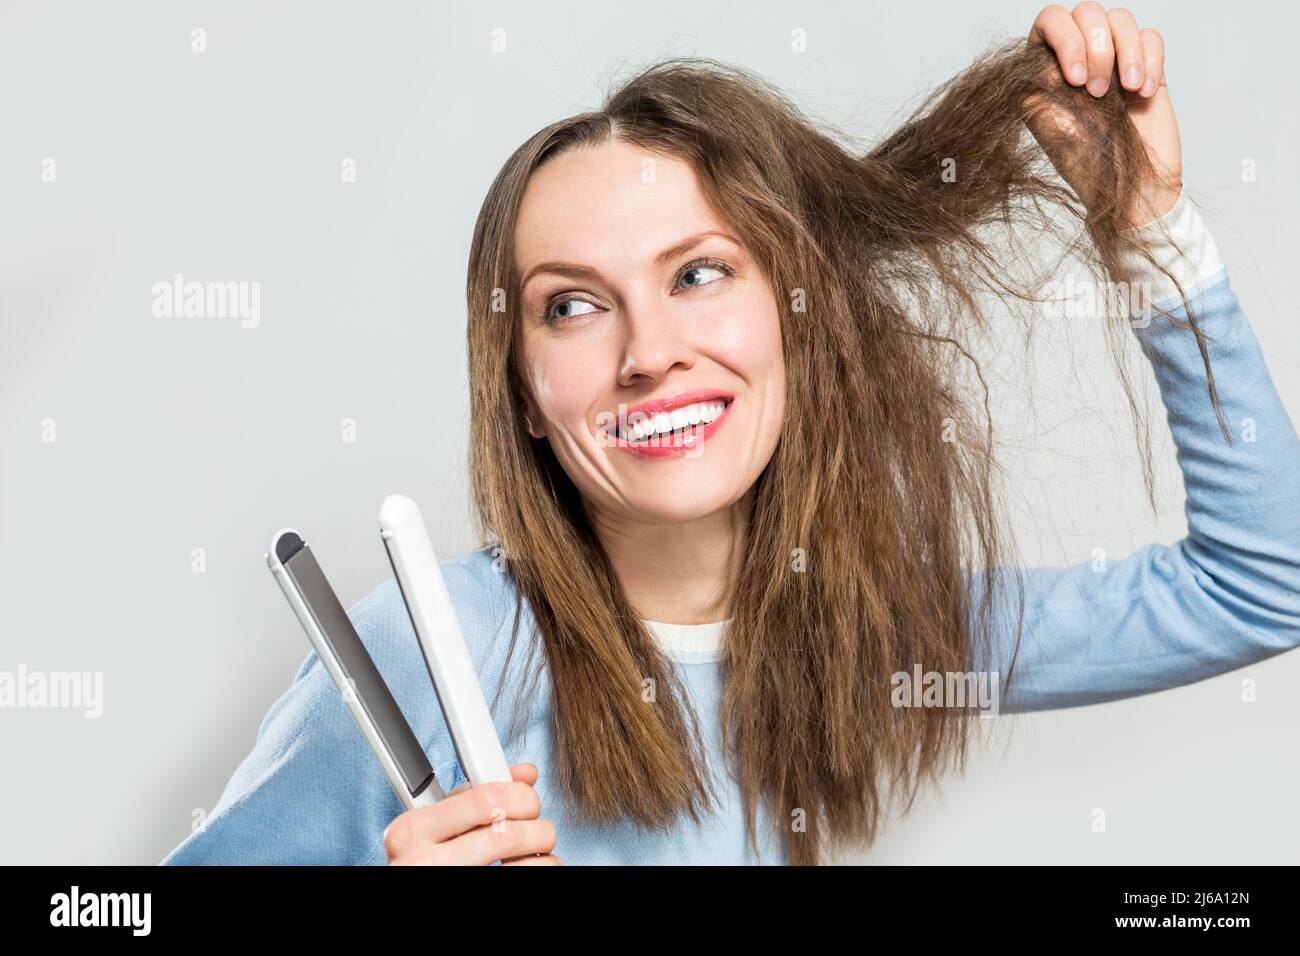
{"x": 348, "y": 662}
{"x": 451, "y": 667}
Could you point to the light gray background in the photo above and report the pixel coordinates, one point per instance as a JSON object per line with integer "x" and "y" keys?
{"x": 176, "y": 434}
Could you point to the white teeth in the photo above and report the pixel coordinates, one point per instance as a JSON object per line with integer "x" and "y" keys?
{"x": 660, "y": 423}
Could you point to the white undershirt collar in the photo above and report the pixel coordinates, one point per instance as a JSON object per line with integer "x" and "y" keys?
{"x": 690, "y": 643}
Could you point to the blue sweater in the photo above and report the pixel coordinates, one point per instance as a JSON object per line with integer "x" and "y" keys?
{"x": 1226, "y": 595}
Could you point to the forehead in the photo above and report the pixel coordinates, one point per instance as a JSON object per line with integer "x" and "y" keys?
{"x": 615, "y": 202}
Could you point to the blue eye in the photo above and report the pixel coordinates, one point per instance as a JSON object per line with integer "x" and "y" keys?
{"x": 696, "y": 273}
{"x": 562, "y": 309}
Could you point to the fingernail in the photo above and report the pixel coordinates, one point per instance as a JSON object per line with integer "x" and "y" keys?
{"x": 1132, "y": 75}
{"x": 1149, "y": 86}
{"x": 1098, "y": 86}
{"x": 1078, "y": 73}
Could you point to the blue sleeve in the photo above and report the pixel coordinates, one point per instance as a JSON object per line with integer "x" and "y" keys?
{"x": 294, "y": 799}
{"x": 310, "y": 791}
{"x": 1225, "y": 595}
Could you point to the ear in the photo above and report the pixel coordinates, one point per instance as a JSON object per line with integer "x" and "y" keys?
{"x": 530, "y": 418}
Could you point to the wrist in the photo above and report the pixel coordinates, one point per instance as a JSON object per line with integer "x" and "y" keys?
{"x": 1180, "y": 243}
{"x": 1155, "y": 203}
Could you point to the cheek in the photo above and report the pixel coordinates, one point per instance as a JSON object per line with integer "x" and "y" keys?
{"x": 746, "y": 335}
{"x": 566, "y": 382}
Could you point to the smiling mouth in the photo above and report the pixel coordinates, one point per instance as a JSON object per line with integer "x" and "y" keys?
{"x": 672, "y": 424}
{"x": 666, "y": 433}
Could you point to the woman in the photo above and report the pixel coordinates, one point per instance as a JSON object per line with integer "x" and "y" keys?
{"x": 730, "y": 448}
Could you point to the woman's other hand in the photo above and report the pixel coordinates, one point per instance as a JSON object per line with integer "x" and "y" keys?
{"x": 476, "y": 826}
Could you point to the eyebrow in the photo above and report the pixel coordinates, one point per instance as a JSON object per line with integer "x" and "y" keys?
{"x": 574, "y": 271}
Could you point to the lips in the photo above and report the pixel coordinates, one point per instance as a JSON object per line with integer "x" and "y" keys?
{"x": 678, "y": 442}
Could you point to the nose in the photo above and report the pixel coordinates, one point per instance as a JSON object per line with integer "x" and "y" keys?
{"x": 656, "y": 342}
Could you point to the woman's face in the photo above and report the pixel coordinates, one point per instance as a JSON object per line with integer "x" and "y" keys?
{"x": 635, "y": 292}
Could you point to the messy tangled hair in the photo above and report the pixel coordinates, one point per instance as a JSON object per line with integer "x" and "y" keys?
{"x": 900, "y": 267}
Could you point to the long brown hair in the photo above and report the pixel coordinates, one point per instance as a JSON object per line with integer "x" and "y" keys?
{"x": 886, "y": 481}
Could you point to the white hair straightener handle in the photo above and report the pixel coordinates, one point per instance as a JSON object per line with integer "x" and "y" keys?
{"x": 434, "y": 618}
{"x": 353, "y": 671}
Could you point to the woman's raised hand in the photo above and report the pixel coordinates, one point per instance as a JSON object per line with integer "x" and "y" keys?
{"x": 476, "y": 826}
{"x": 1091, "y": 43}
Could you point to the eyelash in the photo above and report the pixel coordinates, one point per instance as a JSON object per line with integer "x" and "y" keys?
{"x": 708, "y": 262}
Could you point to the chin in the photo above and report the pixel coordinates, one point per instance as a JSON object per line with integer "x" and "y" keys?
{"x": 685, "y": 494}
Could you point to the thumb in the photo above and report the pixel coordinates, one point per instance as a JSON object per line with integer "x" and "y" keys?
{"x": 524, "y": 773}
